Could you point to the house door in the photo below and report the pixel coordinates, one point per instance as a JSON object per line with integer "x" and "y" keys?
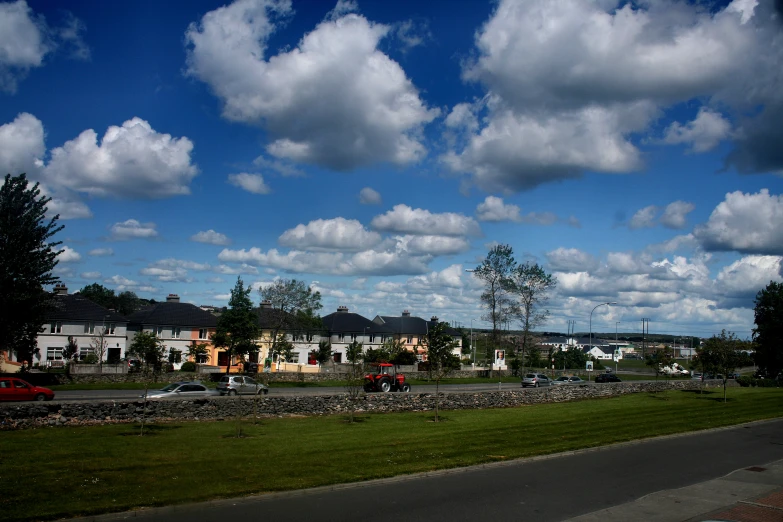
{"x": 222, "y": 358}
{"x": 113, "y": 356}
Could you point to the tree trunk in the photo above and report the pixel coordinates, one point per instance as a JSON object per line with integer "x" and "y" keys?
{"x": 437, "y": 398}
{"x": 228, "y": 364}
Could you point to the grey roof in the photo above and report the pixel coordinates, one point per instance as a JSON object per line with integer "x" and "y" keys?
{"x": 174, "y": 314}
{"x": 410, "y": 325}
{"x": 349, "y": 322}
{"x": 73, "y": 307}
{"x": 556, "y": 340}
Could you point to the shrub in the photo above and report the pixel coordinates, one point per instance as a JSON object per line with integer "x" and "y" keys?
{"x": 188, "y": 366}
{"x": 90, "y": 358}
{"x": 745, "y": 381}
{"x": 766, "y": 383}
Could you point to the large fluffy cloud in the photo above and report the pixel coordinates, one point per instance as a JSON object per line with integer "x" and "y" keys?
{"x": 406, "y": 220}
{"x": 130, "y": 161}
{"x": 368, "y": 262}
{"x": 335, "y": 100}
{"x": 330, "y": 234}
{"x": 571, "y": 84}
{"x": 133, "y": 160}
{"x": 747, "y": 223}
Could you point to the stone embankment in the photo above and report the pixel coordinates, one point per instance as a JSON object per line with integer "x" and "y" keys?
{"x": 42, "y": 414}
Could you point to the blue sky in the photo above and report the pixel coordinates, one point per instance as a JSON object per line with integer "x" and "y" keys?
{"x": 378, "y": 149}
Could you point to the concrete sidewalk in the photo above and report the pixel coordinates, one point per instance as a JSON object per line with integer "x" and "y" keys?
{"x": 753, "y": 494}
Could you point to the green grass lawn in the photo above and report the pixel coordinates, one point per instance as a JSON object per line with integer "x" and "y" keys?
{"x": 57, "y": 472}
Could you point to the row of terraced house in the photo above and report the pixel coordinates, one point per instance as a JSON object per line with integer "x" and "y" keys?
{"x": 177, "y": 324}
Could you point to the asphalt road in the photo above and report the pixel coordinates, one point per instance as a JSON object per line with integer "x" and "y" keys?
{"x": 554, "y": 488}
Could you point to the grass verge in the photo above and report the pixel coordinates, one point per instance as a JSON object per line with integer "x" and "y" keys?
{"x": 91, "y": 470}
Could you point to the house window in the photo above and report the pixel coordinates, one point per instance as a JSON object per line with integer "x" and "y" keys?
{"x": 110, "y": 329}
{"x": 353, "y": 337}
{"x": 372, "y": 338}
{"x": 294, "y": 358}
{"x": 54, "y": 354}
{"x": 298, "y": 337}
{"x": 57, "y": 327}
{"x": 158, "y": 331}
{"x": 84, "y": 352}
{"x": 338, "y": 357}
{"x": 175, "y": 332}
{"x": 175, "y": 356}
{"x": 341, "y": 337}
{"x": 202, "y": 333}
{"x": 409, "y": 340}
{"x": 309, "y": 337}
{"x": 89, "y": 328}
{"x": 383, "y": 338}
{"x": 201, "y": 358}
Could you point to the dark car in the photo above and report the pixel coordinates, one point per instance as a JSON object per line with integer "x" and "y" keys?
{"x": 607, "y": 377}
{"x": 13, "y": 389}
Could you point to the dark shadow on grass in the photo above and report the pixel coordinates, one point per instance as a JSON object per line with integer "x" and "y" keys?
{"x": 149, "y": 429}
{"x": 719, "y": 399}
{"x": 356, "y": 419}
{"x": 701, "y": 392}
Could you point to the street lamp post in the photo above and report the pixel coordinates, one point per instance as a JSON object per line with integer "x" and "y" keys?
{"x": 591, "y": 321}
{"x": 472, "y": 349}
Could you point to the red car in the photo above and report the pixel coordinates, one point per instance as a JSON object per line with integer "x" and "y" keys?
{"x": 12, "y": 389}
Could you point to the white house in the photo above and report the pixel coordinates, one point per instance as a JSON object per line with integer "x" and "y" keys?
{"x": 83, "y": 320}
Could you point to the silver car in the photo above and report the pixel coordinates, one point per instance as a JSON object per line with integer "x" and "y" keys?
{"x": 239, "y": 385}
{"x": 535, "y": 380}
{"x": 180, "y": 390}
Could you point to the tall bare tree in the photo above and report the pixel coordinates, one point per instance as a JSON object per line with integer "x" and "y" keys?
{"x": 496, "y": 272}
{"x": 295, "y": 307}
{"x": 441, "y": 359}
{"x": 530, "y": 286}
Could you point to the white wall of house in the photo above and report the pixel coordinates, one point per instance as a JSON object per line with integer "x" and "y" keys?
{"x": 599, "y": 354}
{"x": 173, "y": 337}
{"x": 55, "y": 337}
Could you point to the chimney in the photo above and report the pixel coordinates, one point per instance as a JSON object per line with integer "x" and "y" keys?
{"x": 172, "y": 298}
{"x": 60, "y": 289}
{"x": 266, "y": 304}
{"x": 342, "y": 309}
{"x": 406, "y": 313}
{"x": 434, "y": 318}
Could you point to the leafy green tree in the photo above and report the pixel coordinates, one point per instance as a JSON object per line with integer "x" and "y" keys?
{"x": 441, "y": 359}
{"x": 720, "y": 354}
{"x": 27, "y": 257}
{"x": 768, "y": 334}
{"x": 571, "y": 359}
{"x": 496, "y": 272}
{"x": 324, "y": 353}
{"x": 127, "y": 302}
{"x": 99, "y": 294}
{"x": 237, "y": 328}
{"x": 198, "y": 352}
{"x": 530, "y": 286}
{"x": 295, "y": 307}
{"x": 70, "y": 351}
{"x": 283, "y": 348}
{"x": 534, "y": 357}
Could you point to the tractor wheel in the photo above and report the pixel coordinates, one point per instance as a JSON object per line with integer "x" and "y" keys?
{"x": 384, "y": 385}
{"x": 406, "y": 388}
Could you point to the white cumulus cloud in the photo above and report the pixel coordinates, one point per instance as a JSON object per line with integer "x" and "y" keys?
{"x": 133, "y": 229}
{"x": 368, "y": 196}
{"x": 494, "y": 209}
{"x": 675, "y": 214}
{"x": 335, "y": 100}
{"x": 330, "y": 234}
{"x": 747, "y": 223}
{"x": 644, "y": 218}
{"x": 253, "y": 183}
{"x": 406, "y": 220}
{"x": 68, "y": 255}
{"x": 702, "y": 134}
{"x": 211, "y": 237}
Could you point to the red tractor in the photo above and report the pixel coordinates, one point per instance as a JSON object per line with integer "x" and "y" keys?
{"x": 384, "y": 378}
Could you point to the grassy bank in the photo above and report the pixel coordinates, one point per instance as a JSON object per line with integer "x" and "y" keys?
{"x": 56, "y": 472}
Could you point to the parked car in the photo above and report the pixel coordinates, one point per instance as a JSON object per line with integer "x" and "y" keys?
{"x": 734, "y": 376}
{"x": 566, "y": 379}
{"x": 180, "y": 390}
{"x": 535, "y": 380}
{"x": 607, "y": 377}
{"x": 13, "y": 389}
{"x": 239, "y": 385}
{"x": 575, "y": 380}
{"x": 697, "y": 376}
